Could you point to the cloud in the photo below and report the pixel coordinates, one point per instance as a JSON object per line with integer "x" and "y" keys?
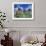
{"x": 29, "y": 7}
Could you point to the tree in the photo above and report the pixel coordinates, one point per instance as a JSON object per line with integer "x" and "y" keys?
{"x": 2, "y": 18}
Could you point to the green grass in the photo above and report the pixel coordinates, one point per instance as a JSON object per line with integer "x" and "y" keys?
{"x": 24, "y": 15}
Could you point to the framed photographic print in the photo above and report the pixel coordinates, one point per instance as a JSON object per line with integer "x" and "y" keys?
{"x": 22, "y": 11}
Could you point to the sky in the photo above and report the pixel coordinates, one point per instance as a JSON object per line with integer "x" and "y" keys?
{"x": 24, "y": 6}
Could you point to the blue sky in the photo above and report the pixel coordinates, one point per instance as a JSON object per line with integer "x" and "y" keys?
{"x": 24, "y": 6}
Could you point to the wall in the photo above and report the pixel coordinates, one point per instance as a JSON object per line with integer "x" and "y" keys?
{"x": 39, "y": 14}
{"x": 38, "y": 24}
